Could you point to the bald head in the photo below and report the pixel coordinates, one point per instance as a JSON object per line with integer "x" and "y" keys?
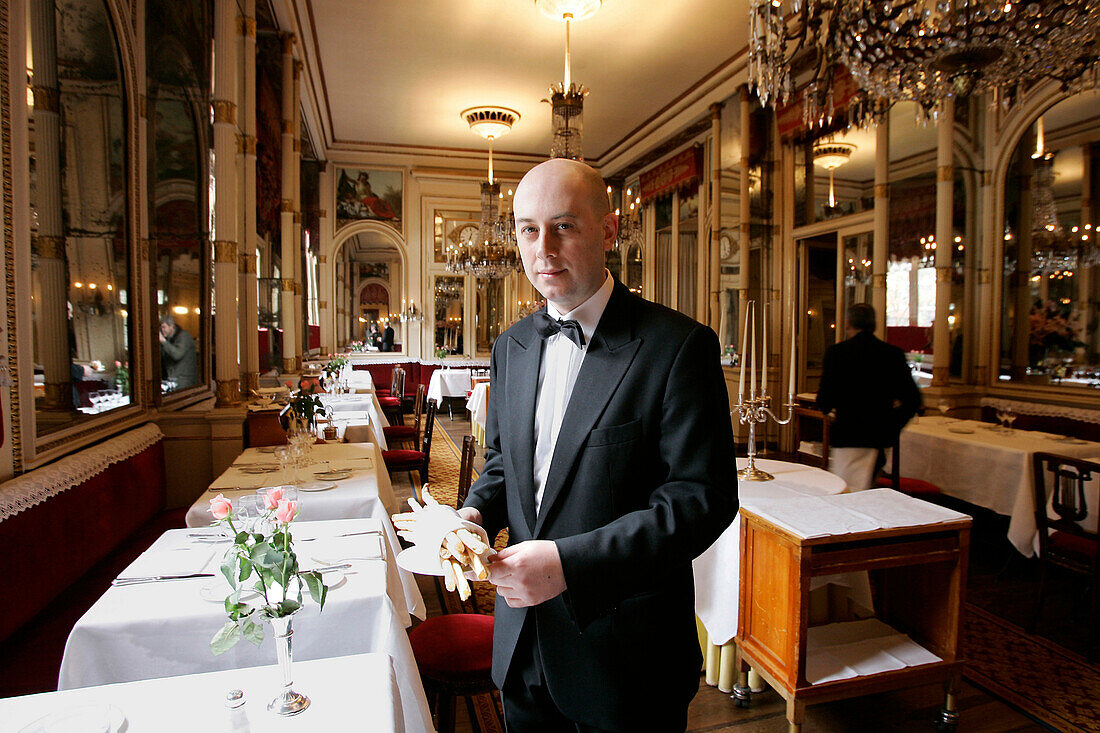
{"x": 563, "y": 172}
{"x": 563, "y": 227}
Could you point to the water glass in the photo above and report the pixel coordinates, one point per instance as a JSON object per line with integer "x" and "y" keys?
{"x": 249, "y": 510}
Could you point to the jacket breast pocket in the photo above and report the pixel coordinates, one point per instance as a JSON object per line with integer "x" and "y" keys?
{"x": 616, "y": 434}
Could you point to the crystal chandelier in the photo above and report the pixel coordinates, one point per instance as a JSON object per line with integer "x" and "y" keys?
{"x": 567, "y": 97}
{"x": 492, "y": 253}
{"x": 630, "y": 224}
{"x": 919, "y": 50}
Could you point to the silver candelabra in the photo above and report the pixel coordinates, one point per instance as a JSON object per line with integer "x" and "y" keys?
{"x": 755, "y": 410}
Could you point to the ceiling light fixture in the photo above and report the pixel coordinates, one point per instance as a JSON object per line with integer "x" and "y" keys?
{"x": 831, "y": 156}
{"x": 567, "y": 97}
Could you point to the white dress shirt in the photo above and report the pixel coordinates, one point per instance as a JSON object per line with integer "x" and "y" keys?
{"x": 561, "y": 361}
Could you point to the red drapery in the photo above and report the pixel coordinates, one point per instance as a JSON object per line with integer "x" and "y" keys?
{"x": 680, "y": 171}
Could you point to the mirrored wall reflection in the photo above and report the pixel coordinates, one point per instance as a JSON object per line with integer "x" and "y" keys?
{"x": 449, "y": 294}
{"x": 179, "y": 135}
{"x": 81, "y": 252}
{"x": 490, "y": 313}
{"x": 1048, "y": 330}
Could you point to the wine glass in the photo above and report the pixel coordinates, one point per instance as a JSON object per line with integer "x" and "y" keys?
{"x": 249, "y": 511}
{"x": 1001, "y": 416}
{"x": 944, "y": 407}
{"x": 282, "y": 455}
{"x": 1010, "y": 417}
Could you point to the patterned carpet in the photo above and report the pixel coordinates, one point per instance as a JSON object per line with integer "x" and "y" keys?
{"x": 1028, "y": 672}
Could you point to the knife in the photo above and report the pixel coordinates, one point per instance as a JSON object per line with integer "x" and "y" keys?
{"x": 158, "y": 578}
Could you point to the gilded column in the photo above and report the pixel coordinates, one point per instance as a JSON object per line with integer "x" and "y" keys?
{"x": 945, "y": 204}
{"x": 289, "y": 246}
{"x": 715, "y": 264}
{"x": 1021, "y": 278}
{"x": 338, "y": 304}
{"x": 300, "y": 278}
{"x": 745, "y": 213}
{"x": 880, "y": 247}
{"x": 51, "y": 317}
{"x": 226, "y": 358}
{"x": 325, "y": 266}
{"x": 250, "y": 338}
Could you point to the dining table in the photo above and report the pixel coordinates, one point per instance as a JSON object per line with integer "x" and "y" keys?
{"x": 449, "y": 383}
{"x": 987, "y": 465}
{"x": 163, "y": 628}
{"x": 364, "y": 402}
{"x": 366, "y": 492}
{"x": 478, "y": 405}
{"x": 718, "y": 570}
{"x": 356, "y": 692}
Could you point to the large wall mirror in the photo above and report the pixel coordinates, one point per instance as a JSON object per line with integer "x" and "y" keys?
{"x": 490, "y": 321}
{"x": 449, "y": 296}
{"x": 83, "y": 345}
{"x": 1049, "y": 277}
{"x": 179, "y": 135}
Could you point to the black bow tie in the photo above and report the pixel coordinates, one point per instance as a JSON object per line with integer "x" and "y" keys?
{"x": 547, "y": 326}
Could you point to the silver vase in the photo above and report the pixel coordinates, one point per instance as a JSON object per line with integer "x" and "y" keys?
{"x": 288, "y": 702}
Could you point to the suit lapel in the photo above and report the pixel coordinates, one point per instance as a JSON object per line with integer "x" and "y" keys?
{"x": 524, "y": 354}
{"x": 608, "y": 357}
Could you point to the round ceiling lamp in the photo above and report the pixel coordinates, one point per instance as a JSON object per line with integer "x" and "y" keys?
{"x": 573, "y": 10}
{"x": 831, "y": 156}
{"x": 491, "y": 123}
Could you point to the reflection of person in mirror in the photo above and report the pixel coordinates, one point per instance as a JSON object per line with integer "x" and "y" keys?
{"x": 387, "y": 339}
{"x": 178, "y": 359}
{"x": 869, "y": 384}
{"x": 609, "y": 456}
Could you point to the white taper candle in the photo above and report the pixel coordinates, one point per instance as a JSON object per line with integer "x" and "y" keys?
{"x": 794, "y": 361}
{"x": 752, "y": 352}
{"x": 764, "y": 369}
{"x": 744, "y": 358}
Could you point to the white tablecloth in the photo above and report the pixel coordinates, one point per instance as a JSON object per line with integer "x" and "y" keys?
{"x": 367, "y": 493}
{"x": 365, "y": 402}
{"x": 448, "y": 383}
{"x": 718, "y": 570}
{"x": 164, "y": 629}
{"x": 348, "y": 693}
{"x": 359, "y": 380}
{"x": 478, "y": 405}
{"x": 992, "y": 469}
{"x": 356, "y": 427}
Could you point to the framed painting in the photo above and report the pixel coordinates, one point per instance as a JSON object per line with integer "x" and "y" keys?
{"x": 364, "y": 194}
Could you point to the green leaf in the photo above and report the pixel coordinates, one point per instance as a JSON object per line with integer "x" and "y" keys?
{"x": 288, "y": 607}
{"x": 241, "y": 538}
{"x": 317, "y": 589}
{"x": 246, "y": 569}
{"x": 265, "y": 556}
{"x": 229, "y": 570}
{"x": 226, "y": 638}
{"x": 257, "y": 537}
{"x": 252, "y": 631}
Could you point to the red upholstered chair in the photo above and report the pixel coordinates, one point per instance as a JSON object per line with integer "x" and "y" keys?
{"x": 414, "y": 460}
{"x": 893, "y": 479}
{"x": 1063, "y": 541}
{"x": 392, "y": 404}
{"x": 408, "y": 433}
{"x": 454, "y": 652}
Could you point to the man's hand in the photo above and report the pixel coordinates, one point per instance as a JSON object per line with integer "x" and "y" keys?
{"x": 528, "y": 573}
{"x": 470, "y": 515}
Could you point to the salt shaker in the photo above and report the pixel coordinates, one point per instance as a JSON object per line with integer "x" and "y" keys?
{"x": 238, "y": 716}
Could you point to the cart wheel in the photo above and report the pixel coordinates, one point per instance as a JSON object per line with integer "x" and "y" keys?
{"x": 742, "y": 696}
{"x": 948, "y": 721}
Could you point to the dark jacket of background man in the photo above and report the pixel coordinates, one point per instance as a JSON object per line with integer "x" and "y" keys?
{"x": 868, "y": 382}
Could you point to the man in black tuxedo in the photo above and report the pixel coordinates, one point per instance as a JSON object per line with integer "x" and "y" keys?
{"x": 868, "y": 382}
{"x": 609, "y": 456}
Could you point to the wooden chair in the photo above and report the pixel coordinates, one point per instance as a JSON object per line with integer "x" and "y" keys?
{"x": 408, "y": 433}
{"x": 392, "y": 405}
{"x": 893, "y": 479}
{"x": 811, "y": 426}
{"x": 1063, "y": 541}
{"x": 414, "y": 460}
{"x": 265, "y": 428}
{"x": 454, "y": 652}
{"x": 465, "y": 470}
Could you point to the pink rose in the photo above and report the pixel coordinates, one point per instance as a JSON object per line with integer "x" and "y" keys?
{"x": 286, "y": 510}
{"x": 289, "y": 386}
{"x": 271, "y": 498}
{"x": 220, "y": 507}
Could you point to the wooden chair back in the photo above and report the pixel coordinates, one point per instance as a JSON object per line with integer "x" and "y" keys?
{"x": 397, "y": 383}
{"x": 426, "y": 443}
{"x": 811, "y": 425}
{"x": 418, "y": 411}
{"x": 1068, "y": 479}
{"x": 465, "y": 470}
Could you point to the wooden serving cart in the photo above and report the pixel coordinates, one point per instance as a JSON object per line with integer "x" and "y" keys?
{"x": 919, "y": 577}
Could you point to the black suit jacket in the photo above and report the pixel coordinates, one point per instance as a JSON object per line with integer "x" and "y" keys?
{"x": 642, "y": 481}
{"x": 868, "y": 383}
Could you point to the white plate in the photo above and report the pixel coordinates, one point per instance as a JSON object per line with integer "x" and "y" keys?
{"x": 424, "y": 560}
{"x": 258, "y": 469}
{"x": 316, "y": 485}
{"x": 83, "y": 719}
{"x": 268, "y": 448}
{"x": 216, "y": 590}
{"x": 960, "y": 429}
{"x": 1068, "y": 440}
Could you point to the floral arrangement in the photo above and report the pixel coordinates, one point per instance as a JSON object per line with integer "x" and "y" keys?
{"x": 122, "y": 376}
{"x": 306, "y": 406}
{"x": 1053, "y": 327}
{"x": 357, "y": 346}
{"x": 271, "y": 560}
{"x": 441, "y": 353}
{"x": 333, "y": 369}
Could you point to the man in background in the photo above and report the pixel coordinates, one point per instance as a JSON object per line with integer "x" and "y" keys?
{"x": 868, "y": 382}
{"x": 178, "y": 357}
